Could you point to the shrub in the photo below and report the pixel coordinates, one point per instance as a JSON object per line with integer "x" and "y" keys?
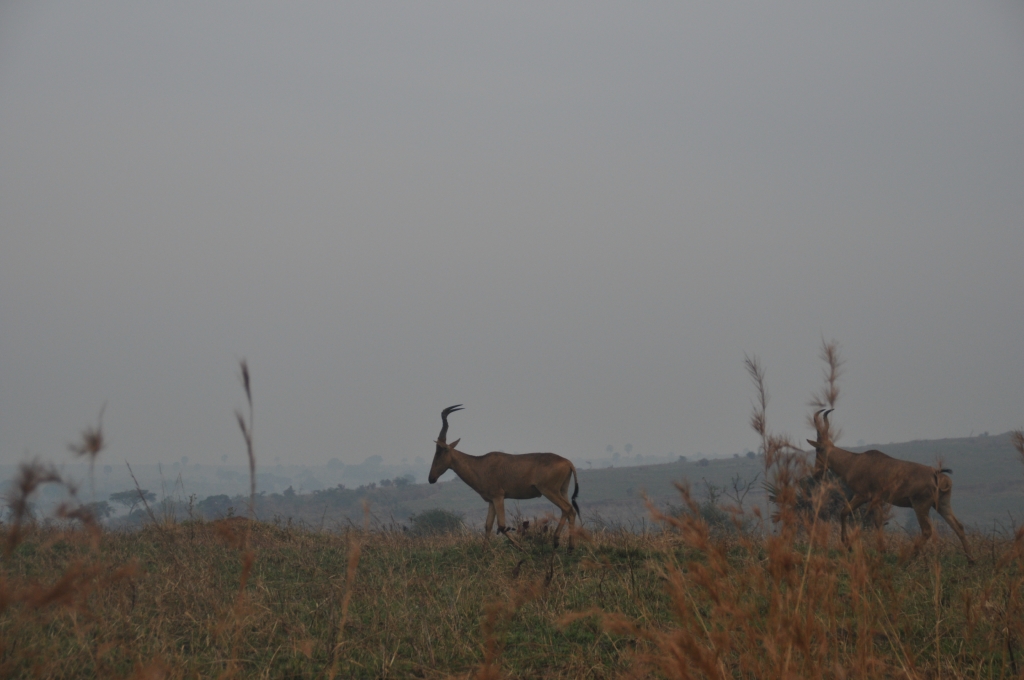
{"x": 436, "y": 521}
{"x": 717, "y": 519}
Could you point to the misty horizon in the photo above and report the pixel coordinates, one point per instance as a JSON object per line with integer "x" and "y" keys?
{"x": 577, "y": 220}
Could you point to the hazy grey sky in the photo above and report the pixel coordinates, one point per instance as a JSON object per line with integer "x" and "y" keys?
{"x": 574, "y": 218}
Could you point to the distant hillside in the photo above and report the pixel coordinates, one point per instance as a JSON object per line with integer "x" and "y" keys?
{"x": 988, "y": 487}
{"x": 988, "y": 482}
{"x": 987, "y": 476}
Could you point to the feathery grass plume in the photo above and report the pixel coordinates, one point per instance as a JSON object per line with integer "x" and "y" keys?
{"x": 247, "y": 428}
{"x": 89, "y": 445}
{"x": 828, "y": 394}
{"x": 31, "y": 475}
{"x": 758, "y": 418}
{"x": 783, "y": 464}
{"x": 248, "y": 556}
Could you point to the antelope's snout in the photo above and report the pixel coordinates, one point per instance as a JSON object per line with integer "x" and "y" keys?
{"x": 437, "y": 468}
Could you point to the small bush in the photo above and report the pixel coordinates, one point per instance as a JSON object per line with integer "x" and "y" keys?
{"x": 717, "y": 519}
{"x": 436, "y": 521}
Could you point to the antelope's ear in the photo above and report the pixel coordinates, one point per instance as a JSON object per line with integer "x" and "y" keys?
{"x": 455, "y": 443}
{"x": 812, "y": 443}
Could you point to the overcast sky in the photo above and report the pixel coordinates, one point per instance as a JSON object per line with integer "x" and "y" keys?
{"x": 574, "y": 218}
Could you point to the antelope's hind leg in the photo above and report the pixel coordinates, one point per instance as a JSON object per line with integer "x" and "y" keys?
{"x": 568, "y": 514}
{"x": 922, "y": 510}
{"x": 946, "y": 511}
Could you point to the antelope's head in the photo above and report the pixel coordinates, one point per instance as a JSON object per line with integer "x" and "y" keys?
{"x": 823, "y": 445}
{"x": 443, "y": 451}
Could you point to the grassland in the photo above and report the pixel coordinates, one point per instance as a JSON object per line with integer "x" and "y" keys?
{"x": 701, "y": 591}
{"x": 234, "y": 599}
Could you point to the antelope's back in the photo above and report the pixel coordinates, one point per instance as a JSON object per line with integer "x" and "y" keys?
{"x": 902, "y": 481}
{"x": 529, "y": 466}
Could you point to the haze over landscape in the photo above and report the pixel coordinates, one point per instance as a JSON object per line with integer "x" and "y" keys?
{"x": 575, "y": 219}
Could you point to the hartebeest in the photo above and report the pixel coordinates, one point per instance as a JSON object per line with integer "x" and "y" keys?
{"x": 497, "y": 476}
{"x": 877, "y": 478}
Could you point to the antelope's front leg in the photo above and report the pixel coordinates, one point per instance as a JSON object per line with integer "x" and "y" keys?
{"x": 489, "y": 524}
{"x": 852, "y": 505}
{"x": 499, "y": 509}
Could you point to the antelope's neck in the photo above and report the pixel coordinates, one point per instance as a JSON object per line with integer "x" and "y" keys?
{"x": 840, "y": 460}
{"x": 464, "y": 467}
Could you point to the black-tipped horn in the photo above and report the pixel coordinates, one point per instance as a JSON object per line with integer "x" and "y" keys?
{"x": 817, "y": 418}
{"x": 827, "y": 426}
{"x": 444, "y": 421}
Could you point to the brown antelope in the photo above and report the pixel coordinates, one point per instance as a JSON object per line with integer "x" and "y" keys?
{"x": 877, "y": 478}
{"x": 497, "y": 476}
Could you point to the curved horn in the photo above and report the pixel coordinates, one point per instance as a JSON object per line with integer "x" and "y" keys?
{"x": 828, "y": 427}
{"x": 444, "y": 420}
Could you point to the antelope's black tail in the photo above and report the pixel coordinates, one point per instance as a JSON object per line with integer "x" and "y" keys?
{"x": 576, "y": 492}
